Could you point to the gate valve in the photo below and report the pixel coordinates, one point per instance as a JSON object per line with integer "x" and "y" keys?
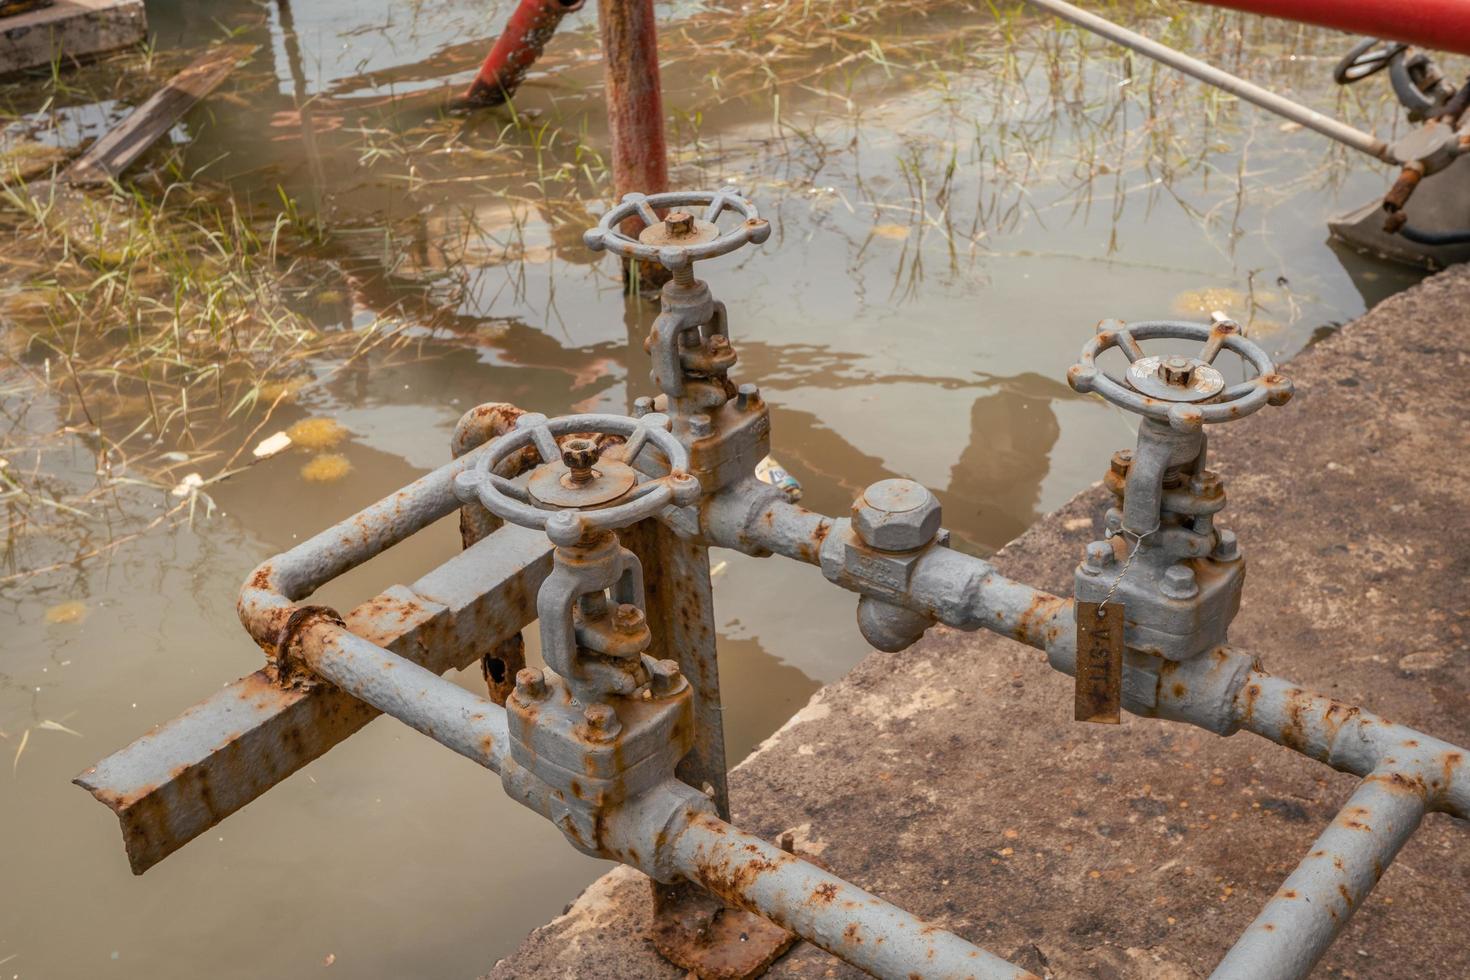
{"x": 1177, "y": 575}
{"x": 1184, "y": 391}
{"x": 582, "y": 486}
{"x": 679, "y": 238}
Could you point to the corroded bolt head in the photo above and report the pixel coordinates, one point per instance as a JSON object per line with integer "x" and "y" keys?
{"x": 627, "y": 618}
{"x": 1122, "y": 459}
{"x": 1206, "y": 483}
{"x": 718, "y": 344}
{"x": 700, "y": 426}
{"x": 896, "y": 515}
{"x": 530, "y": 684}
{"x": 1176, "y": 370}
{"x": 663, "y": 677}
{"x": 679, "y": 223}
{"x": 580, "y": 455}
{"x": 1227, "y": 547}
{"x": 747, "y": 395}
{"x": 602, "y": 721}
{"x": 1179, "y": 582}
{"x": 1099, "y": 556}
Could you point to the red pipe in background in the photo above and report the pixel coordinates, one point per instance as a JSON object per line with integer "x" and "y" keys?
{"x": 1443, "y": 25}
{"x": 525, "y": 35}
{"x": 635, "y": 111}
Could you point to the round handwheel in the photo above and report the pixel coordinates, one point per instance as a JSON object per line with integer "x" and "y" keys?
{"x": 1184, "y": 391}
{"x": 1368, "y": 57}
{"x": 579, "y": 488}
{"x": 680, "y": 238}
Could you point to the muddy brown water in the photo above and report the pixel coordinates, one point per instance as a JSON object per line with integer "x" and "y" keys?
{"x": 899, "y": 324}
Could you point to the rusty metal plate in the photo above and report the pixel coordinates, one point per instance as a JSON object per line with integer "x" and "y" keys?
{"x": 1099, "y": 662}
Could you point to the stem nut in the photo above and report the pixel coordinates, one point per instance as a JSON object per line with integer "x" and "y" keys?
{"x": 1179, "y": 582}
{"x": 1177, "y": 370}
{"x": 896, "y": 515}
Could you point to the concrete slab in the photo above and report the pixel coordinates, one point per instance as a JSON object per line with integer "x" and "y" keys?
{"x": 69, "y": 30}
{"x": 950, "y": 779}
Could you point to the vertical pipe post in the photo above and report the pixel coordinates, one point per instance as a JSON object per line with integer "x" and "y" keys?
{"x": 635, "y": 112}
{"x": 681, "y": 617}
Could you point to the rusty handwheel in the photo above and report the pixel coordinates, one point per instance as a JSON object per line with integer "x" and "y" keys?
{"x": 679, "y": 239}
{"x": 1184, "y": 391}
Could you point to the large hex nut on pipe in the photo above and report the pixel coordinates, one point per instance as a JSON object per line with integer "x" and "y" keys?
{"x": 896, "y": 515}
{"x": 564, "y": 522}
{"x": 680, "y": 238}
{"x": 1185, "y": 391}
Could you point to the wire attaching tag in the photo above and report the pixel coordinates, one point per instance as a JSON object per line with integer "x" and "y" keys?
{"x": 1099, "y": 690}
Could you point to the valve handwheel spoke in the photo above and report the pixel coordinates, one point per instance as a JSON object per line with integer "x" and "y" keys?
{"x": 1184, "y": 391}
{"x": 579, "y": 489}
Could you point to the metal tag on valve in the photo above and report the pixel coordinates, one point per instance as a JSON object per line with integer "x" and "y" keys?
{"x": 1099, "y": 662}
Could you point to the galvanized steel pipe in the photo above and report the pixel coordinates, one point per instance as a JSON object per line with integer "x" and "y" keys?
{"x": 838, "y": 916}
{"x": 467, "y": 723}
{"x": 1300, "y": 922}
{"x": 272, "y": 589}
{"x": 1209, "y": 74}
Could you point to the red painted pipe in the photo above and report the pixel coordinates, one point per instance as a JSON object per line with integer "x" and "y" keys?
{"x": 635, "y": 112}
{"x": 526, "y": 34}
{"x": 1443, "y": 25}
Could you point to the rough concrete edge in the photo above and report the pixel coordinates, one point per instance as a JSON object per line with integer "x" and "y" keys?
{"x": 584, "y": 906}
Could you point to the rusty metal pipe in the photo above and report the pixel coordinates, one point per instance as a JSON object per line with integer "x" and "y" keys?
{"x": 1314, "y": 904}
{"x": 271, "y": 591}
{"x": 530, "y": 27}
{"x": 836, "y": 915}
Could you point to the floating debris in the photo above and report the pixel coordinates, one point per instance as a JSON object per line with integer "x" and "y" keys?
{"x": 317, "y": 433}
{"x": 326, "y": 468}
{"x": 73, "y": 611}
{"x": 271, "y": 445}
{"x": 895, "y": 232}
{"x": 1209, "y": 299}
{"x": 188, "y": 485}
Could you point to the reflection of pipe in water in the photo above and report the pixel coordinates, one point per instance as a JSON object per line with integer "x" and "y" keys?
{"x": 292, "y": 44}
{"x": 1209, "y": 74}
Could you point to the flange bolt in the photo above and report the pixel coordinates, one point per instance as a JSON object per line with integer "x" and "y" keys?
{"x": 530, "y": 685}
{"x": 1227, "y": 548}
{"x": 1099, "y": 556}
{"x": 747, "y": 396}
{"x": 602, "y": 722}
{"x": 1179, "y": 582}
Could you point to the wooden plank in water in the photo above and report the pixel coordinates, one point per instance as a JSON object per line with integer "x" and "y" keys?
{"x": 124, "y": 143}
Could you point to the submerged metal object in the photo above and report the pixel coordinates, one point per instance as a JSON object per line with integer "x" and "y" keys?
{"x": 598, "y": 526}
